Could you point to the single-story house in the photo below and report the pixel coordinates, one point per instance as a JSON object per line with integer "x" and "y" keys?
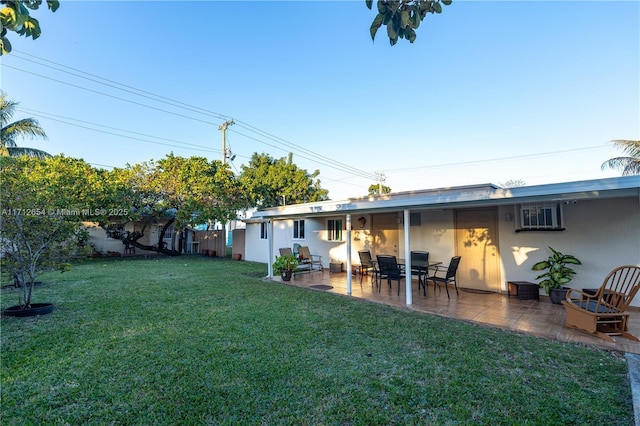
{"x": 184, "y": 241}
{"x": 499, "y": 232}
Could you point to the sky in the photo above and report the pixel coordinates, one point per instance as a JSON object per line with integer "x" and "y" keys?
{"x": 490, "y": 91}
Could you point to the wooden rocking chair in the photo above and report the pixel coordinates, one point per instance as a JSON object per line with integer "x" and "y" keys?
{"x": 604, "y": 313}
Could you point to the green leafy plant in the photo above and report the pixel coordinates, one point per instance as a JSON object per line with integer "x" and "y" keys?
{"x": 557, "y": 272}
{"x": 402, "y": 18}
{"x": 287, "y": 262}
{"x": 40, "y": 224}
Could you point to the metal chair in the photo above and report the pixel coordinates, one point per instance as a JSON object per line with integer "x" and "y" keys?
{"x": 313, "y": 260}
{"x": 285, "y": 251}
{"x": 448, "y": 278}
{"x": 420, "y": 266}
{"x": 367, "y": 265}
{"x": 389, "y": 270}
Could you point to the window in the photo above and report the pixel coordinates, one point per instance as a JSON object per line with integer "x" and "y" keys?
{"x": 415, "y": 219}
{"x": 298, "y": 229}
{"x": 334, "y": 230}
{"x": 541, "y": 216}
{"x": 263, "y": 231}
{"x": 168, "y": 234}
{"x": 114, "y": 233}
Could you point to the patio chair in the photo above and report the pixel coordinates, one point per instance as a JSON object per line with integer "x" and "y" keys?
{"x": 445, "y": 275}
{"x": 603, "y": 313}
{"x": 313, "y": 260}
{"x": 285, "y": 251}
{"x": 420, "y": 267}
{"x": 367, "y": 265}
{"x": 389, "y": 270}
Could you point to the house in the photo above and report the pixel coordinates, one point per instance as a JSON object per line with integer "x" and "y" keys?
{"x": 103, "y": 242}
{"x": 499, "y": 232}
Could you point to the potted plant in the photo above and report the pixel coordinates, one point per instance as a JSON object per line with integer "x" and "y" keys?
{"x": 556, "y": 274}
{"x": 285, "y": 265}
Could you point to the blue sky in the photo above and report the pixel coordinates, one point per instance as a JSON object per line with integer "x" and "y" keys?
{"x": 489, "y": 92}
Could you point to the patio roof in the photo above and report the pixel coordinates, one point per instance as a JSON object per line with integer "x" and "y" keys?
{"x": 460, "y": 196}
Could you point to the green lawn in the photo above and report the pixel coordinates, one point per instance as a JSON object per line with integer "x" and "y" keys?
{"x": 206, "y": 341}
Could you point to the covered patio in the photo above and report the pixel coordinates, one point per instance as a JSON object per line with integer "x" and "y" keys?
{"x": 538, "y": 318}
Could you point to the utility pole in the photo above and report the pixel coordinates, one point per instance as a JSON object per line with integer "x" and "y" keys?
{"x": 381, "y": 178}
{"x": 223, "y": 127}
{"x": 222, "y": 247}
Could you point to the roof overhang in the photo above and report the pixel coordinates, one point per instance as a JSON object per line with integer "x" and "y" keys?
{"x": 459, "y": 197}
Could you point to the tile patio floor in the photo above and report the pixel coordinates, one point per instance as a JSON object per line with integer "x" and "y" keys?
{"x": 539, "y": 318}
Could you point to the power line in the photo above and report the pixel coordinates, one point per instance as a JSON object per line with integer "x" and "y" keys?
{"x": 302, "y": 151}
{"x": 62, "y": 119}
{"x": 493, "y": 160}
{"x": 106, "y": 94}
{"x": 311, "y": 155}
{"x": 327, "y": 163}
{"x": 114, "y": 84}
{"x": 330, "y": 162}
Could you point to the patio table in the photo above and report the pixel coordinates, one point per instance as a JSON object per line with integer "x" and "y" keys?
{"x": 419, "y": 267}
{"x": 423, "y": 268}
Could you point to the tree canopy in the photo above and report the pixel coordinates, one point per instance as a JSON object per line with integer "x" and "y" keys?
{"x": 186, "y": 191}
{"x": 402, "y": 17}
{"x": 15, "y": 16}
{"x": 10, "y": 131}
{"x": 277, "y": 182}
{"x": 629, "y": 165}
{"x": 43, "y": 203}
{"x": 374, "y": 189}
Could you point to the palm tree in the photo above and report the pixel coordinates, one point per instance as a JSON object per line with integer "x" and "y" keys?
{"x": 629, "y": 165}
{"x": 10, "y": 131}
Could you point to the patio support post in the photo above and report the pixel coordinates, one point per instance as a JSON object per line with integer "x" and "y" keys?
{"x": 270, "y": 248}
{"x": 407, "y": 257}
{"x": 348, "y": 220}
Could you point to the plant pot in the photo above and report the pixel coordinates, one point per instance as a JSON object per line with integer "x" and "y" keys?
{"x": 286, "y": 275}
{"x": 212, "y": 253}
{"x": 557, "y": 295}
{"x": 237, "y": 256}
{"x": 36, "y": 309}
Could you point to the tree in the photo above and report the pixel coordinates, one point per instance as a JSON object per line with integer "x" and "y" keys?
{"x": 374, "y": 189}
{"x": 43, "y": 201}
{"x": 277, "y": 182}
{"x": 628, "y": 165}
{"x": 402, "y": 17}
{"x": 185, "y": 191}
{"x": 11, "y": 131}
{"x": 14, "y": 16}
{"x": 513, "y": 183}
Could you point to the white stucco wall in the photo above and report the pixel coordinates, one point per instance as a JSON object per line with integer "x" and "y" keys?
{"x": 435, "y": 235}
{"x": 603, "y": 234}
{"x": 257, "y": 250}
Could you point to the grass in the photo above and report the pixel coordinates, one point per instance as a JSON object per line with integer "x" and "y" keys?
{"x": 207, "y": 341}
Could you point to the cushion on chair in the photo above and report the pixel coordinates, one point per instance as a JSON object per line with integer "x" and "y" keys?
{"x": 591, "y": 307}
